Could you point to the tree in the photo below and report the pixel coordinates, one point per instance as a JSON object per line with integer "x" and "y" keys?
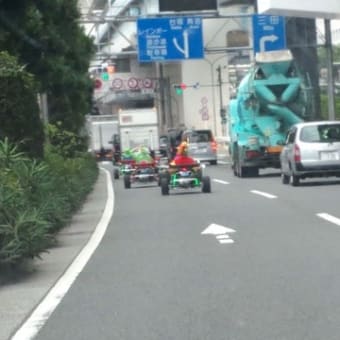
{"x": 322, "y": 55}
{"x": 19, "y": 111}
{"x": 45, "y": 35}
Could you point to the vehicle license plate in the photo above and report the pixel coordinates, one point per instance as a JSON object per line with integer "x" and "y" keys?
{"x": 202, "y": 150}
{"x": 329, "y": 156}
{"x": 185, "y": 173}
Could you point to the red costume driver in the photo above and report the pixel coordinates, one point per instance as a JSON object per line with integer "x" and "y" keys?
{"x": 182, "y": 157}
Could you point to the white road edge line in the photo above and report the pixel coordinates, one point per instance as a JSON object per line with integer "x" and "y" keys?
{"x": 261, "y": 193}
{"x": 220, "y": 181}
{"x": 329, "y": 218}
{"x": 43, "y": 311}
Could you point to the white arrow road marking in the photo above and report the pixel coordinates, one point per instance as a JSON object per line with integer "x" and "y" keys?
{"x": 220, "y": 181}
{"x": 216, "y": 229}
{"x": 227, "y": 241}
{"x": 220, "y": 232}
{"x": 261, "y": 193}
{"x": 329, "y": 218}
{"x": 221, "y": 237}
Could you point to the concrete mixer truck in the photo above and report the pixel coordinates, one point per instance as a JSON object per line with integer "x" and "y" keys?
{"x": 271, "y": 97}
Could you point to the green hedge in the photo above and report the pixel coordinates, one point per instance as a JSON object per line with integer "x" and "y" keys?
{"x": 38, "y": 198}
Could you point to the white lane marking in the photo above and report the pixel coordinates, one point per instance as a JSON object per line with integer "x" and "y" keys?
{"x": 329, "y": 218}
{"x": 261, "y": 193}
{"x": 220, "y": 181}
{"x": 44, "y": 310}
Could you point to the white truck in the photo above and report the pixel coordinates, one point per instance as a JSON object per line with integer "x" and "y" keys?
{"x": 138, "y": 127}
{"x": 101, "y": 130}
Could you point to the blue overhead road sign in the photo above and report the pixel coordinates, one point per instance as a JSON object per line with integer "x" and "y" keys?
{"x": 268, "y": 33}
{"x": 172, "y": 38}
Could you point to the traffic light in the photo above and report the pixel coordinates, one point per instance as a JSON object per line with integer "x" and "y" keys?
{"x": 105, "y": 76}
{"x": 179, "y": 88}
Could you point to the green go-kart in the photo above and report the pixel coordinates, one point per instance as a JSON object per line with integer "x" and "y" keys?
{"x": 179, "y": 177}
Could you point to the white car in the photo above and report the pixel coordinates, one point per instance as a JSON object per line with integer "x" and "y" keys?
{"x": 312, "y": 149}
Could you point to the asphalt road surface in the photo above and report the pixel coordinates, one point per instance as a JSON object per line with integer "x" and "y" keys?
{"x": 253, "y": 260}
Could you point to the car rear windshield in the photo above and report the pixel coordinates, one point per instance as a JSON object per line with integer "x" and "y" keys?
{"x": 200, "y": 136}
{"x": 320, "y": 133}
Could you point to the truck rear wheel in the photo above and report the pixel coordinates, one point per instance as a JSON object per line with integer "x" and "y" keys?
{"x": 284, "y": 178}
{"x": 241, "y": 170}
{"x": 294, "y": 180}
{"x": 253, "y": 171}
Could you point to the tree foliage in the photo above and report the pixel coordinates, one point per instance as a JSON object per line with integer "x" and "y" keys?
{"x": 322, "y": 55}
{"x": 46, "y": 37}
{"x": 19, "y": 111}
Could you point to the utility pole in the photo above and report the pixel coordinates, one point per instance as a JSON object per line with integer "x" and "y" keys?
{"x": 222, "y": 109}
{"x": 330, "y": 76}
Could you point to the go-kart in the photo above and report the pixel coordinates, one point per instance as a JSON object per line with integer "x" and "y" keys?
{"x": 131, "y": 159}
{"x": 142, "y": 173}
{"x": 184, "y": 177}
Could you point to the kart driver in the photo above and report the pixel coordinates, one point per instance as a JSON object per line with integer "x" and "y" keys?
{"x": 181, "y": 157}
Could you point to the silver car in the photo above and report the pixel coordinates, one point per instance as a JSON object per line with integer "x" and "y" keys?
{"x": 201, "y": 145}
{"x": 312, "y": 149}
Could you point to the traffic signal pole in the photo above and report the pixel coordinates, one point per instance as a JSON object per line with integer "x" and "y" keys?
{"x": 330, "y": 75}
{"x": 222, "y": 109}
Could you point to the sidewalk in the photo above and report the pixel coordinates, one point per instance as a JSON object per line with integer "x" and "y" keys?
{"x": 22, "y": 292}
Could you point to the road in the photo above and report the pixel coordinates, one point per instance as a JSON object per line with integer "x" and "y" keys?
{"x": 253, "y": 260}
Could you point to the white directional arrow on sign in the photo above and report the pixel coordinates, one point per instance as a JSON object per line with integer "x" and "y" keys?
{"x": 185, "y": 49}
{"x": 265, "y": 39}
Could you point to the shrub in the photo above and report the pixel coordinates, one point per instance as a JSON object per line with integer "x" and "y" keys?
{"x": 38, "y": 198}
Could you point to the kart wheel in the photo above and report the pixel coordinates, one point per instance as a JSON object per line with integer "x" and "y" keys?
{"x": 160, "y": 176}
{"x": 206, "y": 187}
{"x": 164, "y": 186}
{"x": 127, "y": 182}
{"x": 116, "y": 174}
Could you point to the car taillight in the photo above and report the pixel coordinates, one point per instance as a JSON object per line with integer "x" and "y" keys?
{"x": 297, "y": 153}
{"x": 213, "y": 145}
{"x": 252, "y": 154}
